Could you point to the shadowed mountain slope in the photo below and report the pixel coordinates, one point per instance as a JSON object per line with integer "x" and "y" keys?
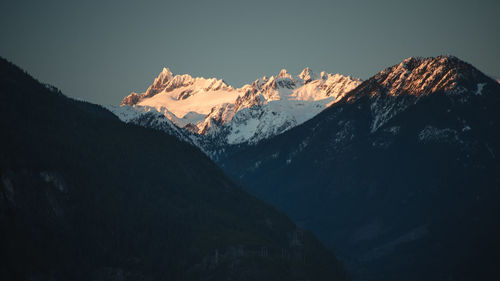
{"x": 84, "y": 196}
{"x": 401, "y": 177}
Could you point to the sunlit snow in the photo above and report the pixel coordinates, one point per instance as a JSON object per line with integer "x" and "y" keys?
{"x": 267, "y": 107}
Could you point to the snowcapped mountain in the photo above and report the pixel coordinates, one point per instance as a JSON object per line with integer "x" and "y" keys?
{"x": 270, "y": 106}
{"x": 181, "y": 98}
{"x": 213, "y": 114}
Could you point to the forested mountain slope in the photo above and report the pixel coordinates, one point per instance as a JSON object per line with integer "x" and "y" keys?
{"x": 84, "y": 196}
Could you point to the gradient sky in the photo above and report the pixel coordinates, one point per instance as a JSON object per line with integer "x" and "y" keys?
{"x": 100, "y": 51}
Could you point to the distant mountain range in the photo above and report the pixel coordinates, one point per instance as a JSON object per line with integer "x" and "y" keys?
{"x": 399, "y": 174}
{"x": 84, "y": 196}
{"x": 213, "y": 115}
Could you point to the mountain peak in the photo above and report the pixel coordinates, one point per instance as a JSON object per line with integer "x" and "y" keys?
{"x": 421, "y": 76}
{"x": 413, "y": 62}
{"x": 307, "y": 75}
{"x": 164, "y": 76}
{"x": 305, "y": 71}
{"x": 166, "y": 72}
{"x": 397, "y": 87}
{"x": 284, "y": 74}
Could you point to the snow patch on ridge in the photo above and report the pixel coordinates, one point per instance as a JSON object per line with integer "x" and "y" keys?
{"x": 480, "y": 87}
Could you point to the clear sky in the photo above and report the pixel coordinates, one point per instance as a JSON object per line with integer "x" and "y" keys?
{"x": 101, "y": 51}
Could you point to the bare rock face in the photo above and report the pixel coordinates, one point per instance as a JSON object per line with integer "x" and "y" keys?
{"x": 131, "y": 99}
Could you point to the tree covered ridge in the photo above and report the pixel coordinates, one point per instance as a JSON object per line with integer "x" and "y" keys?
{"x": 84, "y": 195}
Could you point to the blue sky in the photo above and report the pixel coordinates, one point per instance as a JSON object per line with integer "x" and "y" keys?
{"x": 101, "y": 51}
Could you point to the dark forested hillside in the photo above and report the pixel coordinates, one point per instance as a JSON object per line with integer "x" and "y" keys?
{"x": 84, "y": 196}
{"x": 401, "y": 177}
